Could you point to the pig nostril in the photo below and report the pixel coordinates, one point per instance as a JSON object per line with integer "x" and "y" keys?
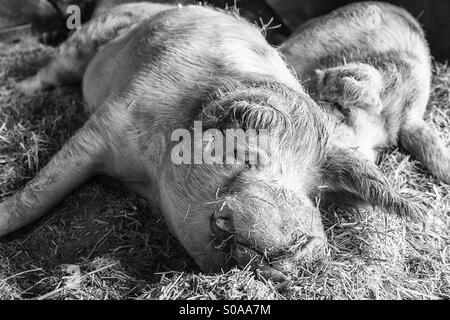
{"x": 220, "y": 225}
{"x": 222, "y": 220}
{"x": 225, "y": 225}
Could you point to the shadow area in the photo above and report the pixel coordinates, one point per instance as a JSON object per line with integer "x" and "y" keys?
{"x": 102, "y": 231}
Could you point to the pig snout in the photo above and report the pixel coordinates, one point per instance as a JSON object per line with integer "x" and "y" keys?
{"x": 273, "y": 241}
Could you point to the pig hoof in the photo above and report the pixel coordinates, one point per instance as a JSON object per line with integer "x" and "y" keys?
{"x": 29, "y": 86}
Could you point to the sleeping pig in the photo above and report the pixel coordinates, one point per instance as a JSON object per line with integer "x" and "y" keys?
{"x": 152, "y": 74}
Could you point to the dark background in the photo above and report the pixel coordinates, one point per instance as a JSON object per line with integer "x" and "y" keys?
{"x": 46, "y": 17}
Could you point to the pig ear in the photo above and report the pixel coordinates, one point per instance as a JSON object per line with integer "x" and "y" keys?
{"x": 355, "y": 178}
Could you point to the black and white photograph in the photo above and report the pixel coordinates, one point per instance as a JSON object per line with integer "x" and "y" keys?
{"x": 245, "y": 151}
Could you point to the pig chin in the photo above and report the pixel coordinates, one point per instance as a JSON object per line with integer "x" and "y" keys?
{"x": 300, "y": 249}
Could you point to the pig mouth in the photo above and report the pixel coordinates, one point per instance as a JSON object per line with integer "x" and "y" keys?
{"x": 248, "y": 256}
{"x": 279, "y": 266}
{"x": 244, "y": 255}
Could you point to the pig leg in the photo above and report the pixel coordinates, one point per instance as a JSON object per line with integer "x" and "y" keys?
{"x": 425, "y": 145}
{"x": 74, "y": 55}
{"x": 78, "y": 160}
{"x": 359, "y": 107}
{"x": 421, "y": 141}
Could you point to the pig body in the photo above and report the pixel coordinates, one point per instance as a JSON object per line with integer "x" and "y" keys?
{"x": 371, "y": 61}
{"x": 144, "y": 79}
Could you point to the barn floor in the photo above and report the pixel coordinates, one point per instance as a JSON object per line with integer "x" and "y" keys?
{"x": 103, "y": 244}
